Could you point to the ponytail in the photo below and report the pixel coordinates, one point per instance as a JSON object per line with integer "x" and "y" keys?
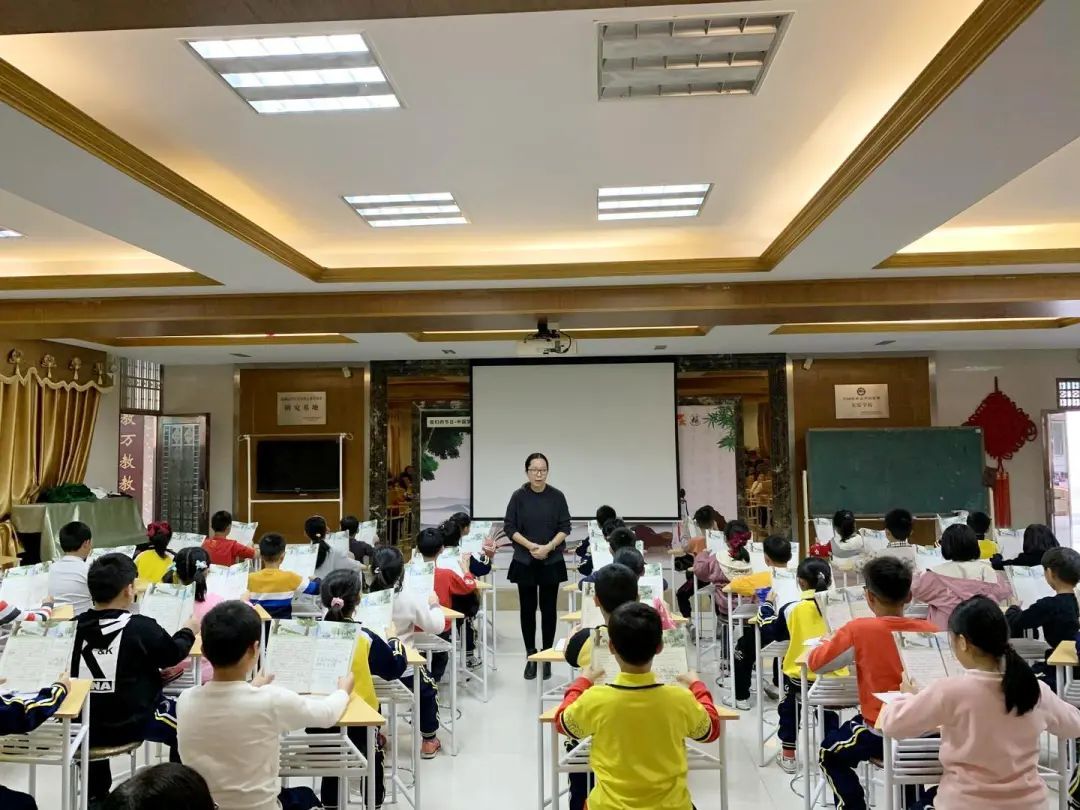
{"x": 340, "y": 594}
{"x": 451, "y": 532}
{"x": 315, "y": 529}
{"x": 388, "y": 569}
{"x": 844, "y": 523}
{"x": 815, "y": 572}
{"x": 159, "y": 534}
{"x": 980, "y": 621}
{"x": 191, "y": 566}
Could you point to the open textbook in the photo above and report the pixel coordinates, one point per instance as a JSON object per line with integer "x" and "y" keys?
{"x": 98, "y": 553}
{"x": 420, "y": 577}
{"x": 168, "y": 605}
{"x": 670, "y": 662}
{"x": 300, "y": 558}
{"x": 36, "y": 654}
{"x": 181, "y": 540}
{"x": 479, "y": 531}
{"x": 338, "y": 541}
{"x": 450, "y": 559}
{"x": 228, "y": 581}
{"x": 927, "y": 657}
{"x": 243, "y": 532}
{"x": 25, "y": 587}
{"x": 717, "y": 544}
{"x": 601, "y": 554}
{"x": 590, "y": 611}
{"x": 786, "y": 586}
{"x": 653, "y": 579}
{"x": 840, "y": 606}
{"x": 1029, "y": 584}
{"x": 308, "y": 656}
{"x": 376, "y": 611}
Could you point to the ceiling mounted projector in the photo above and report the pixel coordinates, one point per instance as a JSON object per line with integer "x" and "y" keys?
{"x": 546, "y": 341}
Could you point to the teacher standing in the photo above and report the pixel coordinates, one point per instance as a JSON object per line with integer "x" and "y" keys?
{"x": 538, "y": 521}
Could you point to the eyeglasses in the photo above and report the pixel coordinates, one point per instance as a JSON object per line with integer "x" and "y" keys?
{"x": 537, "y": 471}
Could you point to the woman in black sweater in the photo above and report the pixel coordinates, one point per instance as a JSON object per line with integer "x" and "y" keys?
{"x": 538, "y": 521}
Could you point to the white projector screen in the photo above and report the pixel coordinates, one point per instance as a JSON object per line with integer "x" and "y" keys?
{"x": 608, "y": 430}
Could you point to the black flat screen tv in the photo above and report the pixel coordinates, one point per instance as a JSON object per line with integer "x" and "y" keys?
{"x": 297, "y": 465}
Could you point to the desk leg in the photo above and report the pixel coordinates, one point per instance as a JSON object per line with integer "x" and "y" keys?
{"x": 1063, "y": 773}
{"x": 484, "y": 648}
{"x": 731, "y": 644}
{"x": 84, "y": 757}
{"x": 540, "y": 744}
{"x": 416, "y": 734}
{"x": 553, "y": 752}
{"x": 887, "y": 762}
{"x": 65, "y": 770}
{"x": 454, "y": 663}
{"x": 392, "y": 741}
{"x": 804, "y": 730}
{"x": 674, "y": 587}
{"x": 494, "y": 613}
{"x": 371, "y": 743}
{"x": 696, "y": 613}
{"x": 759, "y": 706}
{"x": 723, "y": 766}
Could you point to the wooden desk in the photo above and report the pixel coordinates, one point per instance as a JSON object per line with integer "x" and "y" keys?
{"x": 551, "y": 656}
{"x": 73, "y": 704}
{"x": 481, "y": 585}
{"x": 260, "y": 611}
{"x": 63, "y": 613}
{"x": 1064, "y": 655}
{"x": 414, "y": 657}
{"x": 452, "y": 615}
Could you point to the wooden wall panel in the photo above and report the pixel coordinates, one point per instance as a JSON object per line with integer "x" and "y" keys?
{"x": 908, "y": 379}
{"x": 345, "y": 413}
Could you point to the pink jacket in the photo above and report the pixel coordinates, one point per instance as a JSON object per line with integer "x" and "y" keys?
{"x": 708, "y": 569}
{"x": 944, "y": 593}
{"x": 990, "y": 758}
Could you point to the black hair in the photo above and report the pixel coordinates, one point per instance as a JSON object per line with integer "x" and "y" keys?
{"x": 979, "y": 523}
{"x": 159, "y": 543}
{"x": 533, "y": 457}
{"x": 981, "y": 622}
{"x": 1039, "y": 538}
{"x": 816, "y": 573}
{"x": 228, "y": 631}
{"x": 635, "y": 632}
{"x": 430, "y": 542}
{"x": 738, "y": 527}
{"x": 271, "y": 546}
{"x": 621, "y": 537}
{"x": 73, "y": 535}
{"x": 777, "y": 548}
{"x": 221, "y": 521}
{"x": 615, "y": 585}
{"x": 843, "y": 523}
{"x": 451, "y": 532}
{"x": 109, "y": 575}
{"x": 462, "y": 521}
{"x": 167, "y": 786}
{"x": 1065, "y": 563}
{"x": 315, "y": 529}
{"x": 611, "y": 525}
{"x": 186, "y": 566}
{"x": 350, "y": 524}
{"x": 604, "y": 514}
{"x": 343, "y": 584}
{"x": 959, "y": 544}
{"x": 705, "y": 518}
{"x": 888, "y": 578}
{"x": 631, "y": 558}
{"x": 387, "y": 569}
{"x": 898, "y": 523}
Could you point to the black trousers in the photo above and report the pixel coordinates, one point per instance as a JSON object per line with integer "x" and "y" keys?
{"x": 328, "y": 791}
{"x": 547, "y": 597}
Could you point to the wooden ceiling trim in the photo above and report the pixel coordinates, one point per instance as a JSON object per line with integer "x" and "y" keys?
{"x": 981, "y": 258}
{"x": 102, "y": 281}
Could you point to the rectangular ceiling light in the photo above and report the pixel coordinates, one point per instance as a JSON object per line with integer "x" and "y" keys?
{"x": 300, "y": 74}
{"x": 704, "y": 56}
{"x": 7, "y": 233}
{"x": 941, "y": 325}
{"x": 584, "y": 333}
{"x": 651, "y": 202}
{"x": 407, "y": 210}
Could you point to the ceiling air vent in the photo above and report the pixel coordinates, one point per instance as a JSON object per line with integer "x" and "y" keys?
{"x": 707, "y": 56}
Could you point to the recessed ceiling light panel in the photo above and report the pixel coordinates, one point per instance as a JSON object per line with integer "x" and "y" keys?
{"x": 407, "y": 210}
{"x": 7, "y": 233}
{"x": 300, "y": 74}
{"x": 650, "y": 202}
{"x": 704, "y": 56}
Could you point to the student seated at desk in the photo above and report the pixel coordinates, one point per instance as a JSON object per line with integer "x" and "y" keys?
{"x": 479, "y": 565}
{"x": 1058, "y": 616}
{"x": 361, "y": 551}
{"x": 230, "y": 730}
{"x": 124, "y": 654}
{"x": 898, "y": 526}
{"x": 638, "y": 728}
{"x": 10, "y": 613}
{"x": 412, "y": 613}
{"x": 706, "y": 519}
{"x": 168, "y": 786}
{"x": 327, "y": 559}
{"x": 619, "y": 537}
{"x": 979, "y": 522}
{"x": 157, "y": 559}
{"x": 846, "y": 542}
{"x": 869, "y": 642}
{"x": 632, "y": 559}
{"x": 221, "y": 549}
{"x": 273, "y": 588}
{"x": 708, "y": 568}
{"x": 67, "y": 576}
{"x": 990, "y": 719}
{"x": 190, "y": 567}
{"x": 20, "y": 714}
{"x": 584, "y": 549}
{"x": 429, "y": 544}
{"x": 961, "y": 577}
{"x": 1038, "y": 539}
{"x": 340, "y": 594}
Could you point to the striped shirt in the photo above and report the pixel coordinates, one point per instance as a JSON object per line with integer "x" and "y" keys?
{"x": 274, "y": 589}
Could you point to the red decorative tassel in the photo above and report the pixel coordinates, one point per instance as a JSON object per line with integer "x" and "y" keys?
{"x": 1002, "y": 502}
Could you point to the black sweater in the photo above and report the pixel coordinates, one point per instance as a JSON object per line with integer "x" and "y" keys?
{"x": 538, "y": 516}
{"x": 1027, "y": 559}
{"x": 1057, "y": 615}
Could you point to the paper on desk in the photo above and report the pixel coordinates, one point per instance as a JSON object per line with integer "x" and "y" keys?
{"x": 25, "y": 587}
{"x": 376, "y": 611}
{"x": 168, "y": 605}
{"x": 36, "y": 654}
{"x": 420, "y": 577}
{"x": 98, "y": 553}
{"x": 300, "y": 558}
{"x": 228, "y": 582}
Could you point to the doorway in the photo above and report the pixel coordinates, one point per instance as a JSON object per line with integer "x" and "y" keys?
{"x": 1062, "y": 431}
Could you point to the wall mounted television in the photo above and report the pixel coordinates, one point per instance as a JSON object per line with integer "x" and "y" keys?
{"x": 297, "y": 466}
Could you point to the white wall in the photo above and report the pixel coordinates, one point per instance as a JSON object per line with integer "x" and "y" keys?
{"x": 1029, "y": 378}
{"x": 101, "y": 466}
{"x": 208, "y": 389}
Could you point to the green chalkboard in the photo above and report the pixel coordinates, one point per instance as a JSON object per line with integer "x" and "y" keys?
{"x": 872, "y": 470}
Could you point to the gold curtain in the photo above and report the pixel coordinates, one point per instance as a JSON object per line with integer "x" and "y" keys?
{"x": 46, "y": 429}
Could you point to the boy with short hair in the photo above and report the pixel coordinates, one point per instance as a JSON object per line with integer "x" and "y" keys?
{"x": 878, "y": 669}
{"x": 614, "y": 586}
{"x": 979, "y": 522}
{"x": 221, "y": 549}
{"x": 584, "y": 550}
{"x": 272, "y": 587}
{"x": 230, "y": 730}
{"x": 429, "y": 544}
{"x": 124, "y": 654}
{"x": 635, "y": 720}
{"x": 898, "y": 527}
{"x": 619, "y": 538}
{"x": 362, "y": 551}
{"x": 777, "y": 550}
{"x": 67, "y": 576}
{"x": 1059, "y": 615}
